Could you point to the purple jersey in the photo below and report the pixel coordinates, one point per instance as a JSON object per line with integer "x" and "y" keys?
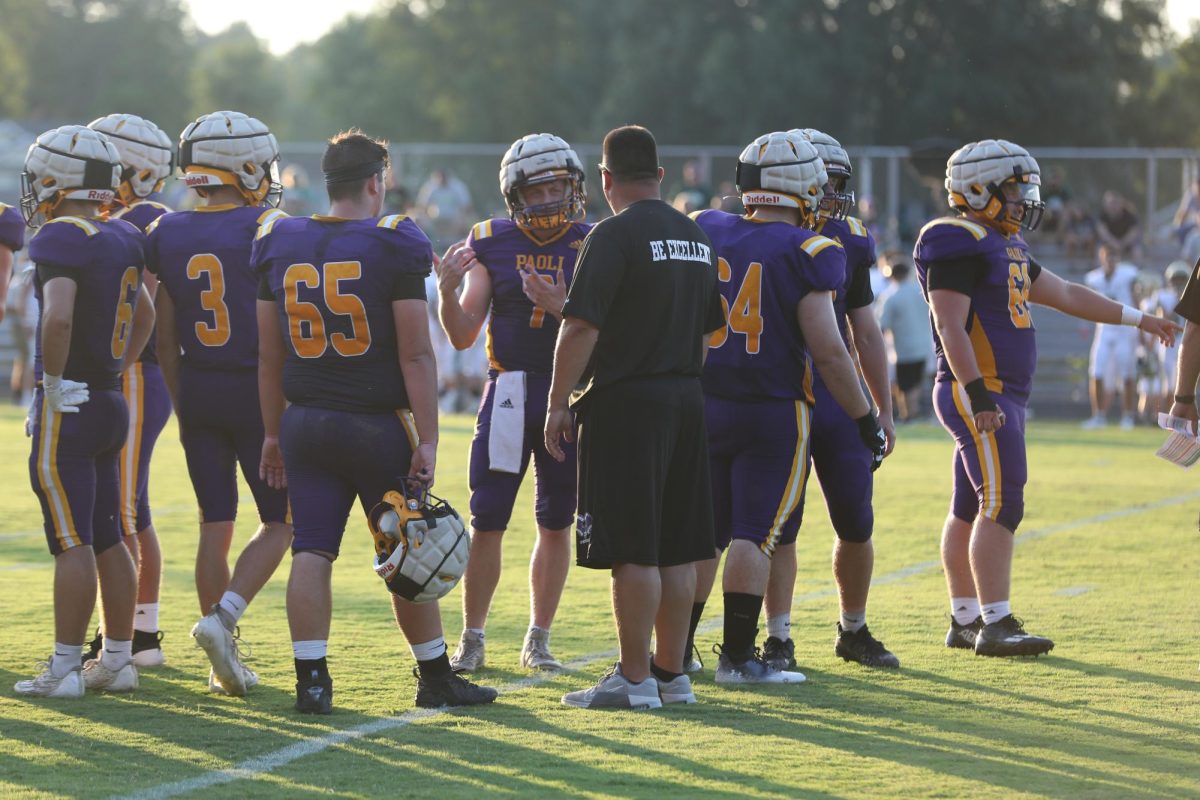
{"x": 105, "y": 259}
{"x": 202, "y": 259}
{"x": 765, "y": 269}
{"x": 142, "y": 215}
{"x": 859, "y": 245}
{"x": 999, "y": 321}
{"x": 334, "y": 281}
{"x": 12, "y": 228}
{"x": 521, "y": 336}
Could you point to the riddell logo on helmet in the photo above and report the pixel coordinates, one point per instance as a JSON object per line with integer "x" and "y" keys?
{"x": 753, "y": 198}
{"x": 99, "y": 194}
{"x": 385, "y": 570}
{"x": 198, "y": 179}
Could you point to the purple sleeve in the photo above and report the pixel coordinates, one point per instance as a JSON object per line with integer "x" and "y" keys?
{"x": 824, "y": 272}
{"x": 12, "y": 228}
{"x": 60, "y": 244}
{"x": 949, "y": 240}
{"x": 414, "y": 251}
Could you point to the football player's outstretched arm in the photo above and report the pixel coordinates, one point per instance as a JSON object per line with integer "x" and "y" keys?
{"x": 420, "y": 380}
{"x": 462, "y": 317}
{"x": 143, "y": 326}
{"x": 1080, "y": 301}
{"x": 872, "y": 357}
{"x": 167, "y": 348}
{"x": 271, "y": 401}
{"x": 950, "y": 309}
{"x": 576, "y": 341}
{"x": 1188, "y": 373}
{"x": 819, "y": 326}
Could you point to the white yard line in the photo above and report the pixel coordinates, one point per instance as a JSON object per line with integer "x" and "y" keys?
{"x": 268, "y": 762}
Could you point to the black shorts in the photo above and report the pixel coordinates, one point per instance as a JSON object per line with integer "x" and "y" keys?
{"x": 909, "y": 374}
{"x": 645, "y": 496}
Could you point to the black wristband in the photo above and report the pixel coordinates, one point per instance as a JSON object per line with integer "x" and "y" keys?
{"x": 1185, "y": 398}
{"x": 980, "y": 399}
{"x": 867, "y": 425}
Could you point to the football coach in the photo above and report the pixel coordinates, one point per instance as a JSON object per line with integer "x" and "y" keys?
{"x": 635, "y": 330}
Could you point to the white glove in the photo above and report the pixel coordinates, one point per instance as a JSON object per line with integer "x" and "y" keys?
{"x": 64, "y": 397}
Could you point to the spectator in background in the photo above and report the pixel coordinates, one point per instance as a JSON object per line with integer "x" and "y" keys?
{"x": 444, "y": 202}
{"x": 1189, "y": 206}
{"x": 1118, "y": 226}
{"x": 1113, "y": 357}
{"x": 1077, "y": 234}
{"x": 1163, "y": 301}
{"x": 905, "y": 315}
{"x": 1056, "y": 197}
{"x": 693, "y": 193}
{"x": 727, "y": 199}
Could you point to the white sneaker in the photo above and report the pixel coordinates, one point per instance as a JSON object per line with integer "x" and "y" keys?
{"x": 677, "y": 691}
{"x": 1094, "y": 423}
{"x": 50, "y": 685}
{"x": 753, "y": 670}
{"x": 1127, "y": 423}
{"x": 147, "y": 649}
{"x": 614, "y": 690}
{"x": 97, "y": 677}
{"x": 215, "y": 687}
{"x": 211, "y": 634}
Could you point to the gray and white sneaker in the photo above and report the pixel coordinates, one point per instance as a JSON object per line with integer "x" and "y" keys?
{"x": 752, "y": 668}
{"x": 614, "y": 690}
{"x": 97, "y": 677}
{"x": 535, "y": 652}
{"x": 469, "y": 656}
{"x": 677, "y": 691}
{"x": 48, "y": 684}
{"x": 217, "y": 641}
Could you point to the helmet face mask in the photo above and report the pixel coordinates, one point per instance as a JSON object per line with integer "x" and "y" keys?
{"x": 535, "y": 160}
{"x": 838, "y": 201}
{"x": 421, "y": 543}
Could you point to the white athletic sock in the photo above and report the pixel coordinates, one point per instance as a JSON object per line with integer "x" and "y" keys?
{"x": 427, "y": 651}
{"x": 853, "y": 621}
{"x": 965, "y": 609}
{"x": 145, "y": 618}
{"x": 477, "y": 631}
{"x": 780, "y": 627}
{"x": 310, "y": 649}
{"x": 994, "y": 612}
{"x": 116, "y": 654}
{"x": 66, "y": 658}
{"x": 234, "y": 605}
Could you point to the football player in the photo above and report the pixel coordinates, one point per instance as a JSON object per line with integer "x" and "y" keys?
{"x": 208, "y": 350}
{"x": 844, "y": 469}
{"x": 514, "y": 273}
{"x": 979, "y": 278}
{"x": 778, "y": 280}
{"x": 147, "y": 159}
{"x": 344, "y": 337}
{"x": 95, "y": 318}
{"x": 12, "y": 239}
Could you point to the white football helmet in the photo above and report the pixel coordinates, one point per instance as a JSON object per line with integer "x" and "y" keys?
{"x": 838, "y": 200}
{"x": 147, "y": 157}
{"x": 782, "y": 169}
{"x": 421, "y": 547}
{"x": 228, "y": 148}
{"x": 68, "y": 163}
{"x": 537, "y": 158}
{"x": 976, "y": 173}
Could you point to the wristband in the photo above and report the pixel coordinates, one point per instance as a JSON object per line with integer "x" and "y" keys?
{"x": 1186, "y": 399}
{"x": 980, "y": 399}
{"x": 1131, "y": 316}
{"x": 867, "y": 424}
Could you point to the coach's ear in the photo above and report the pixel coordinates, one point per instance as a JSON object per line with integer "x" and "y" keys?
{"x": 661, "y": 174}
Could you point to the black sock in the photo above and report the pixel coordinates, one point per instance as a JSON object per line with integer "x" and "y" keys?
{"x": 741, "y": 623}
{"x": 697, "y": 612}
{"x": 662, "y": 674}
{"x": 311, "y": 670}
{"x": 435, "y": 667}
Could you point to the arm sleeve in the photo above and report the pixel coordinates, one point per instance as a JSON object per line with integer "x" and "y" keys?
{"x": 47, "y": 272}
{"x": 408, "y": 286}
{"x": 598, "y": 274}
{"x": 958, "y": 275}
{"x": 858, "y": 293}
{"x": 1035, "y": 269}
{"x": 264, "y": 287}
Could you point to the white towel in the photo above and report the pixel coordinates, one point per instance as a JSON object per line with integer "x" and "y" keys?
{"x": 507, "y": 436}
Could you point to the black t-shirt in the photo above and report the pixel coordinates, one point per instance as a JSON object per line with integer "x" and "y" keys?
{"x": 647, "y": 278}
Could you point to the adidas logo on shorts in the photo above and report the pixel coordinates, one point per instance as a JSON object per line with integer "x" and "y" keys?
{"x": 506, "y": 403}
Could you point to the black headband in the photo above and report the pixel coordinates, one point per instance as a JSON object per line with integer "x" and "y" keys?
{"x": 355, "y": 172}
{"x": 97, "y": 174}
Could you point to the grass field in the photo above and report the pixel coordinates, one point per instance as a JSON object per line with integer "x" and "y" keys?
{"x": 1106, "y": 564}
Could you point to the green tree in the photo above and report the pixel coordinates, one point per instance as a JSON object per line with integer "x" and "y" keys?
{"x": 234, "y": 71}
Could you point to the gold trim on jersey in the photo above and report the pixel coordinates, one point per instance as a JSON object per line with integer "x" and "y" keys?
{"x": 543, "y": 242}
{"x": 84, "y": 225}
{"x": 985, "y": 357}
{"x": 133, "y": 387}
{"x": 857, "y": 227}
{"x": 481, "y": 230}
{"x": 220, "y": 207}
{"x": 47, "y": 470}
{"x": 976, "y": 230}
{"x": 816, "y": 244}
{"x": 793, "y": 492}
{"x": 267, "y": 220}
{"x": 391, "y": 221}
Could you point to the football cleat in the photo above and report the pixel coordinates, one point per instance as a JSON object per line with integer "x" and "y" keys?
{"x": 539, "y": 158}
{"x": 780, "y": 655}
{"x": 218, "y": 643}
{"x": 421, "y": 543}
{"x": 614, "y": 690}
{"x": 751, "y": 668}
{"x": 248, "y": 675}
{"x": 864, "y": 648}
{"x": 470, "y": 655}
{"x": 47, "y": 684}
{"x": 450, "y": 689}
{"x": 976, "y": 174}
{"x": 963, "y": 636}
{"x": 147, "y": 649}
{"x": 93, "y": 649}
{"x": 97, "y": 677}
{"x": 535, "y": 652}
{"x": 782, "y": 170}
{"x": 1007, "y": 637}
{"x": 68, "y": 163}
{"x": 315, "y": 696}
{"x": 676, "y": 691}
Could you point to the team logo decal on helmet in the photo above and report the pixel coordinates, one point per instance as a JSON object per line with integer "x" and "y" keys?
{"x": 228, "y": 148}
{"x": 539, "y": 158}
{"x": 782, "y": 169}
{"x": 68, "y": 163}
{"x": 147, "y": 157}
{"x": 838, "y": 200}
{"x": 421, "y": 543}
{"x": 976, "y": 176}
